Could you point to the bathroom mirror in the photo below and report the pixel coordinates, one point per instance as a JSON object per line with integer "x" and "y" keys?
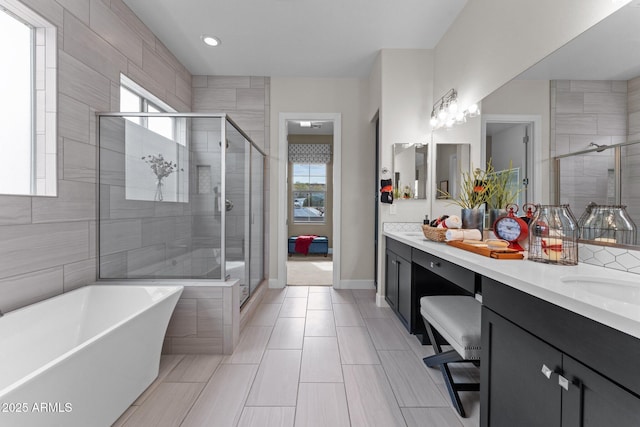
{"x": 410, "y": 170}
{"x": 451, "y": 161}
{"x": 594, "y": 85}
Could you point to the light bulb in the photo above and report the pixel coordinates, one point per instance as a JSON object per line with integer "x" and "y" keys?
{"x": 453, "y": 107}
{"x": 433, "y": 121}
{"x": 473, "y": 108}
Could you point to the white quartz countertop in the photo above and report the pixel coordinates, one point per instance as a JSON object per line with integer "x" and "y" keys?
{"x": 608, "y": 296}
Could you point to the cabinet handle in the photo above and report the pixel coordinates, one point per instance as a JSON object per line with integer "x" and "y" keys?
{"x": 563, "y": 382}
{"x": 435, "y": 264}
{"x": 546, "y": 371}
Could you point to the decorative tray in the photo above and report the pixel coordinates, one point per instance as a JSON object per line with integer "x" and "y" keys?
{"x": 482, "y": 249}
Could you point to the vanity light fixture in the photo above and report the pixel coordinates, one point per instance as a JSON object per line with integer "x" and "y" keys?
{"x": 210, "y": 40}
{"x": 446, "y": 111}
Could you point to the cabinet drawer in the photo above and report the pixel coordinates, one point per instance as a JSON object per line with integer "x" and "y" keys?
{"x": 399, "y": 248}
{"x": 457, "y": 275}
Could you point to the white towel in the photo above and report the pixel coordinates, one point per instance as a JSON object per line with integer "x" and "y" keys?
{"x": 453, "y": 221}
{"x": 467, "y": 234}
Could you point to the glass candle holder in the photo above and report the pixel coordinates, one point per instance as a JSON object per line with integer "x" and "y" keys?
{"x": 553, "y": 235}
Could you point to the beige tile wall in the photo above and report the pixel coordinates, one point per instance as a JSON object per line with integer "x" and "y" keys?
{"x": 206, "y": 321}
{"x": 47, "y": 245}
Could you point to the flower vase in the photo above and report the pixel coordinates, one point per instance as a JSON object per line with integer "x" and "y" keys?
{"x": 472, "y": 218}
{"x": 494, "y": 214}
{"x": 158, "y": 196}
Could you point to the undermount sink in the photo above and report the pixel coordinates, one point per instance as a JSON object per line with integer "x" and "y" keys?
{"x": 620, "y": 290}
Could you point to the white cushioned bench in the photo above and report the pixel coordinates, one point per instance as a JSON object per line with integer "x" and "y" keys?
{"x": 457, "y": 320}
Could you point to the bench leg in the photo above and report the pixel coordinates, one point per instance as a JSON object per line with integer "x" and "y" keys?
{"x": 441, "y": 359}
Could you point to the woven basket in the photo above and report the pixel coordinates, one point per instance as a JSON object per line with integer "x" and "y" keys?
{"x": 434, "y": 233}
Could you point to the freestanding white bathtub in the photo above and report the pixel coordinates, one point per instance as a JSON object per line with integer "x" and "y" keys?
{"x": 81, "y": 358}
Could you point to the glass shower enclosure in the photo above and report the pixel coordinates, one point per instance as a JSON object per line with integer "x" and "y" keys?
{"x": 181, "y": 197}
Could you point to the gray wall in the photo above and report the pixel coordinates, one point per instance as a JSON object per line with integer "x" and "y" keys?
{"x": 48, "y": 245}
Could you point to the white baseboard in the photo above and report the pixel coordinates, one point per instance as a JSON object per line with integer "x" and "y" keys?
{"x": 357, "y": 284}
{"x": 380, "y": 301}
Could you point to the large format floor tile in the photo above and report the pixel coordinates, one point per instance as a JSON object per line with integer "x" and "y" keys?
{"x": 320, "y": 323}
{"x": 276, "y": 383}
{"x": 294, "y": 307}
{"x": 410, "y": 382}
{"x": 347, "y": 315}
{"x": 167, "y": 406}
{"x": 371, "y": 401}
{"x": 310, "y": 356}
{"x": 322, "y": 405}
{"x": 356, "y": 347}
{"x": 222, "y": 400}
{"x": 321, "y": 361}
{"x": 287, "y": 334}
{"x": 275, "y": 416}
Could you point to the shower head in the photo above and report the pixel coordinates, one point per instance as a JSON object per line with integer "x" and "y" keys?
{"x": 600, "y": 146}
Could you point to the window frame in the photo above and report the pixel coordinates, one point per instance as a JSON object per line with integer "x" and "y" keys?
{"x": 43, "y": 138}
{"x": 310, "y": 193}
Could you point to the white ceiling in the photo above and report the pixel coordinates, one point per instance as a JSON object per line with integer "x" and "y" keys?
{"x": 293, "y": 38}
{"x": 610, "y": 50}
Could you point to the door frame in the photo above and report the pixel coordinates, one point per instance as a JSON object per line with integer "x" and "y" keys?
{"x": 534, "y": 154}
{"x": 283, "y": 211}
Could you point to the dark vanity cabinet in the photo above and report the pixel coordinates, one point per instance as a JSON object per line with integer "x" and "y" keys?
{"x": 546, "y": 366}
{"x": 412, "y": 274}
{"x": 398, "y": 279}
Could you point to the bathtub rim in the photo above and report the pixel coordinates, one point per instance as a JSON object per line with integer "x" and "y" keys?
{"x": 57, "y": 360}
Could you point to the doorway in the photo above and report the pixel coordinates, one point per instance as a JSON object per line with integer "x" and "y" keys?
{"x": 515, "y": 141}
{"x": 309, "y": 198}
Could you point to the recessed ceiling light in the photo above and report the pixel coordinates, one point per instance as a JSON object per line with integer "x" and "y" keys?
{"x": 210, "y": 40}
{"x": 305, "y": 124}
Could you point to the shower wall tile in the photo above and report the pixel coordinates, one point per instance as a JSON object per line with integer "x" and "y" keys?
{"x": 27, "y": 248}
{"x": 146, "y": 261}
{"x": 114, "y": 265}
{"x": 75, "y": 202}
{"x": 77, "y": 273}
{"x": 158, "y": 69}
{"x": 30, "y": 288}
{"x": 79, "y": 164}
{"x": 120, "y": 236}
{"x": 228, "y": 82}
{"x": 184, "y": 321}
{"x": 82, "y": 83}
{"x": 605, "y": 103}
{"x": 81, "y": 42}
{"x": 122, "y": 11}
{"x": 72, "y": 119}
{"x": 250, "y": 99}
{"x": 210, "y": 321}
{"x": 214, "y": 100}
{"x": 115, "y": 31}
{"x": 15, "y": 210}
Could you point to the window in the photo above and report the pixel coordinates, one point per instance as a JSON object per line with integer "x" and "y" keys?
{"x": 28, "y": 110}
{"x": 156, "y": 156}
{"x": 309, "y": 192}
{"x": 134, "y": 99}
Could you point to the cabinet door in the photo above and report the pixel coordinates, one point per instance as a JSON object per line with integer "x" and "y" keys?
{"x": 391, "y": 285}
{"x": 514, "y": 390}
{"x": 592, "y": 400}
{"x": 404, "y": 289}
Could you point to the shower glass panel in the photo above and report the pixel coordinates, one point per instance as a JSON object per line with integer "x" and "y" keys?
{"x": 238, "y": 166}
{"x": 257, "y": 249}
{"x": 179, "y": 204}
